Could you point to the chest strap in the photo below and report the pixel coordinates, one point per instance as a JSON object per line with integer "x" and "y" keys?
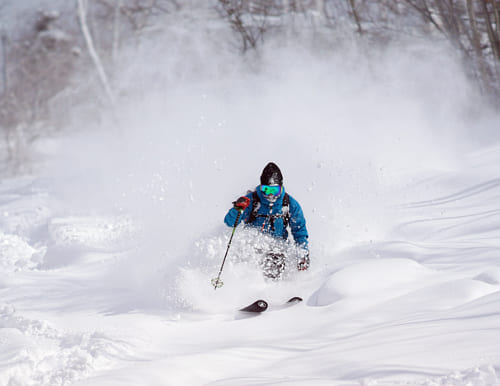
{"x": 285, "y": 211}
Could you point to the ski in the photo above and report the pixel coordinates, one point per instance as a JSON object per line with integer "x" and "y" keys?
{"x": 261, "y": 305}
{"x": 257, "y": 306}
{"x": 292, "y": 301}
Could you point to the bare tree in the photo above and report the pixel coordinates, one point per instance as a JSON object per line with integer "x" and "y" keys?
{"x": 132, "y": 16}
{"x": 465, "y": 24}
{"x": 252, "y": 20}
{"x": 492, "y": 20}
{"x": 251, "y": 32}
{"x": 38, "y": 65}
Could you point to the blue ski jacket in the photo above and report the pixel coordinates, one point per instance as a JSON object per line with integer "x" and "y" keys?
{"x": 270, "y": 218}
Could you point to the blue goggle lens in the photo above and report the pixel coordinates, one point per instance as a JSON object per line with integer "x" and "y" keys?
{"x": 269, "y": 190}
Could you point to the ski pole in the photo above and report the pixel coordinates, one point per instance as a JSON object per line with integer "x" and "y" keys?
{"x": 217, "y": 283}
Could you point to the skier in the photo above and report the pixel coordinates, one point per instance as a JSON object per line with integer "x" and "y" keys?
{"x": 271, "y": 210}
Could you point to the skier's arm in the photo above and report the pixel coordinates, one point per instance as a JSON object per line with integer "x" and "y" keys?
{"x": 300, "y": 235}
{"x": 241, "y": 204}
{"x": 298, "y": 225}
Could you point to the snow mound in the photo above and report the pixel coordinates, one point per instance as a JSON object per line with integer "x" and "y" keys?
{"x": 37, "y": 353}
{"x": 478, "y": 376}
{"x": 17, "y": 254}
{"x": 92, "y": 233}
{"x": 74, "y": 238}
{"x": 491, "y": 276}
{"x": 23, "y": 215}
{"x": 454, "y": 293}
{"x": 368, "y": 278}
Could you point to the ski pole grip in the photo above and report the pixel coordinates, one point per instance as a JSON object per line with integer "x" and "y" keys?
{"x": 240, "y": 212}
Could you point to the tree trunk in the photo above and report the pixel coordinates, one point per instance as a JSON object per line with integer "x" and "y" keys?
{"x": 496, "y": 12}
{"x": 356, "y": 16}
{"x": 4, "y": 61}
{"x": 82, "y": 11}
{"x": 485, "y": 79}
{"x": 116, "y": 29}
{"x": 492, "y": 36}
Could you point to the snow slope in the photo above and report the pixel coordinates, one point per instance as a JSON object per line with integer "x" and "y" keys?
{"x": 106, "y": 256}
{"x": 420, "y": 308}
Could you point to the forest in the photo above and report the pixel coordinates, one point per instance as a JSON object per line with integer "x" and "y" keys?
{"x": 65, "y": 57}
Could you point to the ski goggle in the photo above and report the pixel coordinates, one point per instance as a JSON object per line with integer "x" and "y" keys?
{"x": 270, "y": 190}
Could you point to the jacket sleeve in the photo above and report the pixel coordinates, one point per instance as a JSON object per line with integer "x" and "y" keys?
{"x": 233, "y": 214}
{"x": 298, "y": 224}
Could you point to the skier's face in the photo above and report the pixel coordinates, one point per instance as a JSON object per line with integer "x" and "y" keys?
{"x": 271, "y": 192}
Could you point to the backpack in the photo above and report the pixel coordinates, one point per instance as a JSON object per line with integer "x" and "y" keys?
{"x": 285, "y": 211}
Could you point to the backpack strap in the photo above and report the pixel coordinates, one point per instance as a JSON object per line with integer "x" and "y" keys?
{"x": 255, "y": 207}
{"x": 285, "y": 210}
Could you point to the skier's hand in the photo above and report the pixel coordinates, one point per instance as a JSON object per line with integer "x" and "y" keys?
{"x": 241, "y": 203}
{"x": 303, "y": 262}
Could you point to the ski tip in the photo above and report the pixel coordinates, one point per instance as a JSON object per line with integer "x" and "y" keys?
{"x": 257, "y": 306}
{"x": 295, "y": 299}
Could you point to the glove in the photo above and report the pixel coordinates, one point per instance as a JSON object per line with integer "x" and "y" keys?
{"x": 303, "y": 262}
{"x": 241, "y": 203}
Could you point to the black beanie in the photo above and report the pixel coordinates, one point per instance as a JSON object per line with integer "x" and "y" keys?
{"x": 271, "y": 175}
